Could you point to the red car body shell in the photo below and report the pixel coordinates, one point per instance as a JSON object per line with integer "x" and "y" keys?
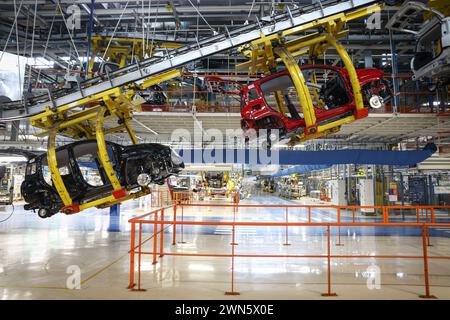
{"x": 253, "y": 110}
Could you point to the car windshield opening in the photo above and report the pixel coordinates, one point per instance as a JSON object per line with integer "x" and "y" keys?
{"x": 326, "y": 87}
{"x": 87, "y": 160}
{"x": 428, "y": 47}
{"x": 280, "y": 94}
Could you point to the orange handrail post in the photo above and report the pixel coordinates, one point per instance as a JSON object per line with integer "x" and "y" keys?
{"x": 353, "y": 214}
{"x": 155, "y": 237}
{"x": 428, "y": 229}
{"x": 428, "y": 238}
{"x": 425, "y": 265}
{"x": 339, "y": 227}
{"x": 339, "y": 214}
{"x": 329, "y": 293}
{"x": 385, "y": 213}
{"x": 132, "y": 246}
{"x": 233, "y": 242}
{"x": 139, "y": 258}
{"x": 182, "y": 224}
{"x": 309, "y": 214}
{"x": 151, "y": 198}
{"x": 232, "y": 292}
{"x": 161, "y": 239}
{"x": 174, "y": 237}
{"x": 286, "y": 242}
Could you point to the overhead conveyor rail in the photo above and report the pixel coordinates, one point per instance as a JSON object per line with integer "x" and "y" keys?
{"x": 179, "y": 57}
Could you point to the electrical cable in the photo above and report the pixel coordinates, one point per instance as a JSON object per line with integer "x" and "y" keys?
{"x": 10, "y": 215}
{"x": 199, "y": 13}
{"x": 143, "y": 30}
{"x": 154, "y": 30}
{"x": 115, "y": 29}
{"x": 70, "y": 35}
{"x": 18, "y": 51}
{"x": 32, "y": 43}
{"x": 250, "y": 12}
{"x": 46, "y": 45}
{"x": 11, "y": 30}
{"x": 148, "y": 26}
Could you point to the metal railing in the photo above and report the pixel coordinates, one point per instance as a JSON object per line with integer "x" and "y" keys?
{"x": 422, "y": 217}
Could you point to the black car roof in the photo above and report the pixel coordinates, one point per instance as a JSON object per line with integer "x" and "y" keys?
{"x": 74, "y": 144}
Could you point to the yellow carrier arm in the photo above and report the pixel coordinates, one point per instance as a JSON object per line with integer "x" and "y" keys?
{"x": 265, "y": 54}
{"x": 86, "y": 119}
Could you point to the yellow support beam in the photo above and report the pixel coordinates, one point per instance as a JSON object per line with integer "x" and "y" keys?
{"x": 58, "y": 182}
{"x": 300, "y": 86}
{"x": 130, "y": 132}
{"x": 350, "y": 69}
{"x": 103, "y": 152}
{"x": 77, "y": 120}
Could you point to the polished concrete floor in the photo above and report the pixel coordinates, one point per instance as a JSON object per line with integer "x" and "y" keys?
{"x": 37, "y": 257}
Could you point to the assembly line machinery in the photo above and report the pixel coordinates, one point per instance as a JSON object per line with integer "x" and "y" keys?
{"x": 267, "y": 30}
{"x": 79, "y": 112}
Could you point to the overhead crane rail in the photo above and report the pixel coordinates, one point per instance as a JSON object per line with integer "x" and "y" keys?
{"x": 274, "y": 25}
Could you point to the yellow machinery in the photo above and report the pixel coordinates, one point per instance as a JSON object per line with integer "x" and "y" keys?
{"x": 265, "y": 53}
{"x": 229, "y": 183}
{"x": 205, "y": 182}
{"x": 225, "y": 185}
{"x": 85, "y": 120}
{"x": 123, "y": 51}
{"x": 268, "y": 185}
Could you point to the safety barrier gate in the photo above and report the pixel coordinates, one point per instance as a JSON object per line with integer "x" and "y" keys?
{"x": 423, "y": 217}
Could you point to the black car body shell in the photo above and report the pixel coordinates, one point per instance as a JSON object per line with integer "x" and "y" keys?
{"x": 128, "y": 162}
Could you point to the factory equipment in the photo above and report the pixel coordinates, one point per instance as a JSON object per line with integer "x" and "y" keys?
{"x": 366, "y": 195}
{"x": 338, "y": 193}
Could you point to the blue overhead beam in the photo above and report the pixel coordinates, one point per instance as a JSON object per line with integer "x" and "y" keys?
{"x": 300, "y": 169}
{"x": 296, "y": 157}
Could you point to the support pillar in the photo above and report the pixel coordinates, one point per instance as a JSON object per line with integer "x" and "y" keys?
{"x": 14, "y": 136}
{"x": 368, "y": 59}
{"x": 395, "y": 81}
{"x": 114, "y": 218}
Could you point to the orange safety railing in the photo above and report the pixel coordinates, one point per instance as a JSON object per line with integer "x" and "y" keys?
{"x": 423, "y": 217}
